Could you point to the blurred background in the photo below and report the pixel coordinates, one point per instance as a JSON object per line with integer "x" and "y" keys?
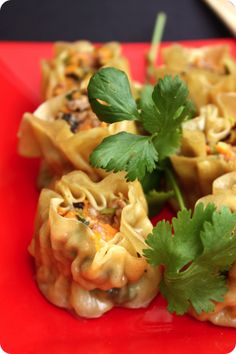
{"x": 105, "y": 20}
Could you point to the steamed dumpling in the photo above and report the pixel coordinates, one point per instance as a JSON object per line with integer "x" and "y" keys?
{"x": 64, "y": 131}
{"x": 88, "y": 245}
{"x": 74, "y": 63}
{"x": 203, "y": 155}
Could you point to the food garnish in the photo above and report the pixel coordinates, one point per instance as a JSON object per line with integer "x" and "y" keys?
{"x": 160, "y": 111}
{"x": 196, "y": 258}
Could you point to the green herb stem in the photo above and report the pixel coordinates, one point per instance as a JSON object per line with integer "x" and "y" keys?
{"x": 155, "y": 44}
{"x": 175, "y": 187}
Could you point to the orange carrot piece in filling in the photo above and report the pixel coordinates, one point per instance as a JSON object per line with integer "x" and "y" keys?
{"x": 86, "y": 126}
{"x": 61, "y": 211}
{"x": 71, "y": 68}
{"x": 70, "y": 214}
{"x": 101, "y": 230}
{"x": 225, "y": 149}
{"x": 109, "y": 231}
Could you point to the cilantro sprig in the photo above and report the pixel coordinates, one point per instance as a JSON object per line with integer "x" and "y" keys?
{"x": 124, "y": 151}
{"x": 195, "y": 258}
{"x": 161, "y": 111}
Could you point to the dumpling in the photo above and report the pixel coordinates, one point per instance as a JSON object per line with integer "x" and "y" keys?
{"x": 75, "y": 62}
{"x": 88, "y": 245}
{"x": 226, "y": 102}
{"x": 203, "y": 156}
{"x": 223, "y": 193}
{"x": 208, "y": 71}
{"x": 64, "y": 131}
{"x": 211, "y": 58}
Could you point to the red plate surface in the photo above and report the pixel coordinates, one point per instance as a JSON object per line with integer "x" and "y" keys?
{"x": 28, "y": 323}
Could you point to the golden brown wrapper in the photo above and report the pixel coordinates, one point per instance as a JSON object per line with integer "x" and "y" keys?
{"x": 207, "y": 71}
{"x": 227, "y": 105}
{"x": 76, "y": 272}
{"x": 227, "y": 83}
{"x": 223, "y": 194}
{"x": 213, "y": 58}
{"x": 196, "y": 170}
{"x": 40, "y": 135}
{"x": 196, "y": 174}
{"x": 55, "y": 71}
{"x": 200, "y": 83}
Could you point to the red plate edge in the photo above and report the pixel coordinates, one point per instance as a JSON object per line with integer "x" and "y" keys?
{"x": 28, "y": 323}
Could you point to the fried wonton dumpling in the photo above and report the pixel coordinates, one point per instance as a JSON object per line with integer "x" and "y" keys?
{"x": 223, "y": 194}
{"x": 64, "y": 131}
{"x": 208, "y": 71}
{"x": 200, "y": 83}
{"x": 202, "y": 157}
{"x": 74, "y": 63}
{"x": 227, "y": 104}
{"x": 212, "y": 58}
{"x": 214, "y": 127}
{"x": 88, "y": 244}
{"x": 226, "y": 84}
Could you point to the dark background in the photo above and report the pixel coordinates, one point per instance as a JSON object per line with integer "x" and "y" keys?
{"x": 105, "y": 20}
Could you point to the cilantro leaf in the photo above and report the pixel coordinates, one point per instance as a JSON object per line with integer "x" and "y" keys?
{"x": 163, "y": 109}
{"x": 148, "y": 114}
{"x": 203, "y": 246}
{"x": 173, "y": 108}
{"x": 170, "y": 97}
{"x": 187, "y": 230}
{"x": 166, "y": 143}
{"x": 185, "y": 244}
{"x": 217, "y": 235}
{"x": 110, "y": 96}
{"x": 134, "y": 154}
{"x": 197, "y": 286}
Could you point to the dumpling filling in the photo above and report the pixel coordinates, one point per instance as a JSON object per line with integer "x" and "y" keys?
{"x": 74, "y": 63}
{"x": 81, "y": 65}
{"x": 104, "y": 223}
{"x": 77, "y": 112}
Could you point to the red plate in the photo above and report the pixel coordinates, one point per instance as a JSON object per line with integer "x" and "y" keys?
{"x": 28, "y": 323}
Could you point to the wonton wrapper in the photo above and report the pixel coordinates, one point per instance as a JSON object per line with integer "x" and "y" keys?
{"x": 213, "y": 58}
{"x": 223, "y": 193}
{"x": 207, "y": 71}
{"x": 195, "y": 169}
{"x": 200, "y": 83}
{"x": 63, "y": 151}
{"x": 226, "y": 84}
{"x": 71, "y": 271}
{"x": 54, "y": 70}
{"x": 227, "y": 104}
